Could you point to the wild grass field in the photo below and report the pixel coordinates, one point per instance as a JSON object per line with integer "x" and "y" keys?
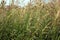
{"x": 38, "y": 22}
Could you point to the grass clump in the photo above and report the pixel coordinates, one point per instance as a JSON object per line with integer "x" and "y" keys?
{"x": 41, "y": 22}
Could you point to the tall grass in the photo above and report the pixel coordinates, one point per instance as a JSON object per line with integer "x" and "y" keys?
{"x": 38, "y": 22}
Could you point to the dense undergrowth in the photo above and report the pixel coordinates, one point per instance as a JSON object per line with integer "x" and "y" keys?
{"x": 41, "y": 22}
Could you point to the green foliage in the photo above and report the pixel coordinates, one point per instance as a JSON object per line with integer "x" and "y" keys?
{"x": 40, "y": 22}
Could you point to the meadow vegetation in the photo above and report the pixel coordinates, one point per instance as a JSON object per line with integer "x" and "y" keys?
{"x": 38, "y": 21}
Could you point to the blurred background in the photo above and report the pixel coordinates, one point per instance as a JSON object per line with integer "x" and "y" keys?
{"x": 21, "y": 3}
